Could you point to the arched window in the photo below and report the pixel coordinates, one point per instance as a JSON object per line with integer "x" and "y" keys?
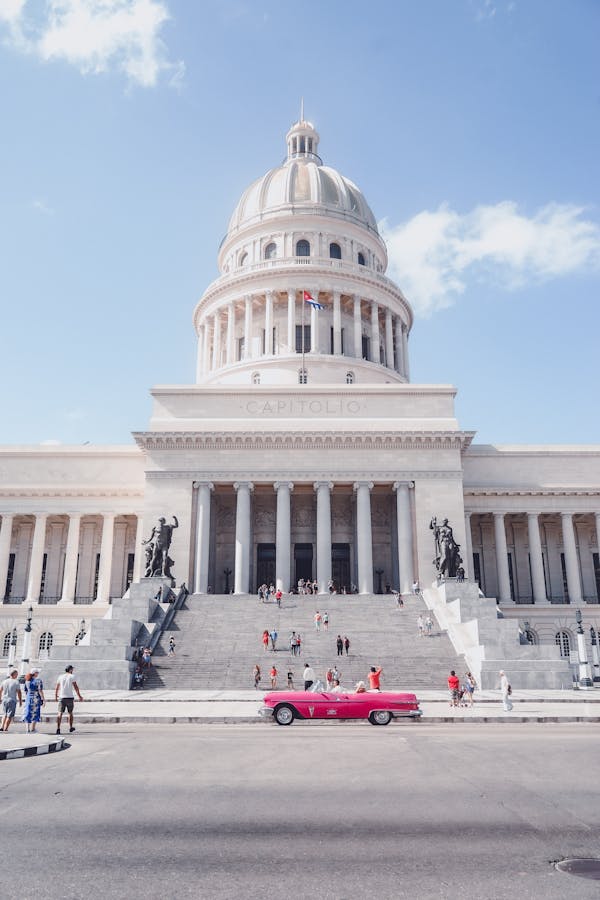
{"x": 563, "y": 641}
{"x": 302, "y": 248}
{"x": 302, "y": 376}
{"x": 271, "y": 251}
{"x": 349, "y": 377}
{"x": 361, "y": 259}
{"x": 335, "y": 251}
{"x": 45, "y": 642}
{"x": 531, "y": 636}
{"x": 243, "y": 259}
{"x": 6, "y": 644}
{"x": 256, "y": 378}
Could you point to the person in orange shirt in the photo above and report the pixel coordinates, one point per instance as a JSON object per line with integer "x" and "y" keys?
{"x": 273, "y": 674}
{"x": 374, "y": 677}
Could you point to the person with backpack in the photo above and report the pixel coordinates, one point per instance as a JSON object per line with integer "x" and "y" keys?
{"x": 340, "y": 645}
{"x": 346, "y": 644}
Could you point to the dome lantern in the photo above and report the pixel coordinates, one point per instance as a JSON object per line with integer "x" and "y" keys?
{"x": 302, "y": 141}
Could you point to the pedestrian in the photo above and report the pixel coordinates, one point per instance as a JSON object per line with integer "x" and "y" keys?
{"x": 298, "y": 644}
{"x": 331, "y": 586}
{"x": 257, "y": 676}
{"x": 469, "y": 687}
{"x": 318, "y": 619}
{"x": 34, "y": 689}
{"x": 315, "y": 587}
{"x": 460, "y": 574}
{"x": 146, "y": 657}
{"x": 293, "y": 643}
{"x": 290, "y": 680}
{"x": 429, "y": 625}
{"x": 273, "y": 674}
{"x": 346, "y": 644}
{"x": 453, "y": 687}
{"x": 328, "y": 679}
{"x": 340, "y": 645}
{"x": 326, "y": 621}
{"x": 63, "y": 694}
{"x": 374, "y": 678}
{"x": 398, "y": 598}
{"x": 506, "y": 691}
{"x": 421, "y": 625}
{"x": 309, "y": 676}
{"x": 416, "y": 588}
{"x": 273, "y": 636}
{"x": 171, "y": 646}
{"x": 336, "y": 675}
{"x": 278, "y": 596}
{"x": 337, "y": 688}
{"x": 10, "y": 693}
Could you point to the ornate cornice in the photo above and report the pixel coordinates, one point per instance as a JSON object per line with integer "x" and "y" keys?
{"x": 532, "y": 492}
{"x": 83, "y": 491}
{"x": 304, "y": 440}
{"x": 308, "y": 476}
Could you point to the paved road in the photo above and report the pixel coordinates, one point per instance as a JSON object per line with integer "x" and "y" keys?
{"x": 310, "y": 811}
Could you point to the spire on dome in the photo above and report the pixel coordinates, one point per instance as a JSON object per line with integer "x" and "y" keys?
{"x": 302, "y": 139}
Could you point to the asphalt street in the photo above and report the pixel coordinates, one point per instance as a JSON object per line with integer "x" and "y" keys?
{"x": 322, "y": 811}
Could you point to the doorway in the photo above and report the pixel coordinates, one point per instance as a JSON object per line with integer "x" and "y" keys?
{"x": 265, "y": 564}
{"x": 303, "y": 559}
{"x": 340, "y": 567}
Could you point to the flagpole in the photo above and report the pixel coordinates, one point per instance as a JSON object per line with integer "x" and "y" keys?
{"x": 303, "y": 305}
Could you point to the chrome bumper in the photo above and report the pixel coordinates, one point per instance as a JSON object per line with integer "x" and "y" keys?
{"x": 265, "y": 712}
{"x": 407, "y": 713}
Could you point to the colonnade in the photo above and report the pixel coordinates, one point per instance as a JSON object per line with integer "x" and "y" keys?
{"x": 283, "y": 535}
{"x": 73, "y": 546}
{"x": 219, "y": 330}
{"x": 539, "y": 591}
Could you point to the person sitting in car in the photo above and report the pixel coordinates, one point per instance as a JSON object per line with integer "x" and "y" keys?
{"x": 360, "y": 688}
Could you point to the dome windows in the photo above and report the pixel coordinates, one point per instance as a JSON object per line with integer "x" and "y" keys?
{"x": 349, "y": 377}
{"x": 302, "y": 248}
{"x": 335, "y": 251}
{"x": 271, "y": 250}
{"x": 256, "y": 378}
{"x": 243, "y": 260}
{"x": 302, "y": 376}
{"x": 361, "y": 259}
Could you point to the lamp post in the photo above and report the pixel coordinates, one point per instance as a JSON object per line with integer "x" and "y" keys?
{"x": 81, "y": 634}
{"x": 26, "y": 643}
{"x": 12, "y": 650}
{"x": 227, "y": 573}
{"x": 595, "y": 656}
{"x": 585, "y": 673}
{"x": 379, "y": 573}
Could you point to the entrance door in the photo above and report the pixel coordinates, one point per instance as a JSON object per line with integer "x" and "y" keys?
{"x": 265, "y": 564}
{"x": 303, "y": 557}
{"x": 340, "y": 566}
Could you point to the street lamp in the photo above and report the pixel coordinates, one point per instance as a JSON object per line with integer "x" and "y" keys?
{"x": 26, "y": 643}
{"x": 585, "y": 674}
{"x": 81, "y": 634}
{"x": 595, "y": 656}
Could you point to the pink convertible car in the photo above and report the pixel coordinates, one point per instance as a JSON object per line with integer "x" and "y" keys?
{"x": 379, "y": 707}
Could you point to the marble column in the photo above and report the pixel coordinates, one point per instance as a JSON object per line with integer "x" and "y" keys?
{"x": 248, "y": 328}
{"x": 5, "y": 542}
{"x": 138, "y": 550}
{"x": 337, "y": 324}
{"x": 283, "y": 535}
{"x": 389, "y": 340}
{"x": 405, "y": 536}
{"x": 291, "y": 321}
{"x": 204, "y": 489}
{"x": 405, "y": 352}
{"x": 199, "y": 355}
{"x": 230, "y": 338}
{"x": 242, "y": 537}
{"x": 323, "y": 490}
{"x": 206, "y": 348}
{"x": 502, "y": 559}
{"x": 269, "y": 323}
{"x": 357, "y": 328}
{"x": 538, "y": 583}
{"x": 364, "y": 537}
{"x": 71, "y": 555}
{"x": 37, "y": 559}
{"x": 375, "y": 351}
{"x": 399, "y": 365}
{"x": 106, "y": 559}
{"x": 216, "y": 350}
{"x": 571, "y": 560}
{"x": 468, "y": 560}
{"x": 597, "y": 516}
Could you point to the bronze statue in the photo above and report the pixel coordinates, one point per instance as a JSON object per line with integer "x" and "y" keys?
{"x": 158, "y": 561}
{"x": 447, "y": 557}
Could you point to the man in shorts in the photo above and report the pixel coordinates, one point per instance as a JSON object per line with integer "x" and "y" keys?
{"x": 10, "y": 692}
{"x": 63, "y": 694}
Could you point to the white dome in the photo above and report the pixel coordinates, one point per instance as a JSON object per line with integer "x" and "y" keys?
{"x": 302, "y": 183}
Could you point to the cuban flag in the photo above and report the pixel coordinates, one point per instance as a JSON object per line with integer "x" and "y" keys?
{"x": 311, "y": 301}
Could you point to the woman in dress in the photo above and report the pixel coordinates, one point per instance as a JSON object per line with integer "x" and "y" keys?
{"x": 257, "y": 676}
{"x": 34, "y": 700}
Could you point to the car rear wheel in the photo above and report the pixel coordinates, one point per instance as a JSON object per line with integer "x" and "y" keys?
{"x": 380, "y": 717}
{"x": 284, "y": 714}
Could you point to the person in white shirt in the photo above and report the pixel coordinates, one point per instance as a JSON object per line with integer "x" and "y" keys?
{"x": 63, "y": 694}
{"x": 309, "y": 676}
{"x": 506, "y": 691}
{"x": 337, "y": 688}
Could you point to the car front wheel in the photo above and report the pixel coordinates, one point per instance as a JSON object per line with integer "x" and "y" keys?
{"x": 380, "y": 717}
{"x": 284, "y": 714}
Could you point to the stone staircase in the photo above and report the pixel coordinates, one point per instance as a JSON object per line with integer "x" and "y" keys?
{"x": 218, "y": 641}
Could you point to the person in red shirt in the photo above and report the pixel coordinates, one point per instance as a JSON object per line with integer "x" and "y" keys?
{"x": 453, "y": 687}
{"x": 374, "y": 677}
{"x": 273, "y": 674}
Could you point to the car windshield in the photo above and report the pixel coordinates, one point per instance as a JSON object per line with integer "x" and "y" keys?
{"x": 316, "y": 687}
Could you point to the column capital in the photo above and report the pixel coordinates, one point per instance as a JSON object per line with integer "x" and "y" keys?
{"x": 358, "y": 484}
{"x": 238, "y": 485}
{"x": 327, "y": 484}
{"x": 400, "y": 484}
{"x": 468, "y": 513}
{"x": 283, "y": 484}
{"x": 208, "y": 484}
{"x": 498, "y": 514}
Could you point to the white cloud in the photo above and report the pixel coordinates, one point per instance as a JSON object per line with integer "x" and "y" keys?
{"x": 95, "y": 35}
{"x": 434, "y": 254}
{"x": 41, "y": 206}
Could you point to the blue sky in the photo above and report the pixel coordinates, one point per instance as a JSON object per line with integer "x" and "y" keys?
{"x": 131, "y": 127}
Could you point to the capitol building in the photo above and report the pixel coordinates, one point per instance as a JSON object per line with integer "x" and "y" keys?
{"x": 302, "y": 450}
